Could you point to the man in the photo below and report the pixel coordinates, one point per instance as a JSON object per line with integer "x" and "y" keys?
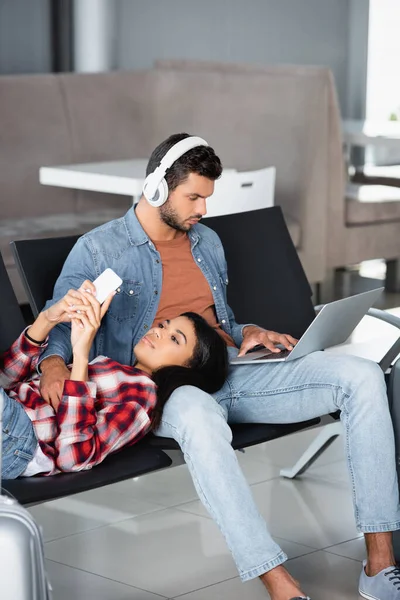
{"x": 169, "y": 264}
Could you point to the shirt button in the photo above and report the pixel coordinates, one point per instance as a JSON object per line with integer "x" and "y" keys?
{"x": 226, "y": 281}
{"x": 131, "y": 292}
{"x": 157, "y": 261}
{"x": 199, "y": 260}
{"x": 118, "y": 290}
{"x": 145, "y": 326}
{"x": 155, "y": 292}
{"x": 215, "y": 287}
{"x": 223, "y": 321}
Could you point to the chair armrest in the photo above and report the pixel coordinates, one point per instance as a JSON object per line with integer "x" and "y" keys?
{"x": 384, "y": 316}
{"x": 394, "y": 350}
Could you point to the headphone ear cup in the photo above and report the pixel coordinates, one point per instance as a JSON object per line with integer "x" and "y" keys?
{"x": 161, "y": 195}
{"x": 148, "y": 188}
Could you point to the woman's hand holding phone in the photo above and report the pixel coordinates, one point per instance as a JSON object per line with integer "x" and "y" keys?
{"x": 73, "y": 303}
{"x": 70, "y": 308}
{"x": 63, "y": 310}
{"x": 86, "y": 321}
{"x": 84, "y": 327}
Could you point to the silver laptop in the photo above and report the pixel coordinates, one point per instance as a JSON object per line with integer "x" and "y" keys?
{"x": 332, "y": 325}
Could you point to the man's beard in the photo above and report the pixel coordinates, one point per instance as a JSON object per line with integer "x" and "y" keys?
{"x": 169, "y": 216}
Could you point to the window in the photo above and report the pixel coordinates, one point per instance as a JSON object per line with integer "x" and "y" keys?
{"x": 383, "y": 71}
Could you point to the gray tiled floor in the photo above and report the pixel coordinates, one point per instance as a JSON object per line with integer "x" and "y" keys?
{"x": 151, "y": 538}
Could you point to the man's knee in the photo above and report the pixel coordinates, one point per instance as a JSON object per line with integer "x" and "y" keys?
{"x": 364, "y": 381}
{"x": 192, "y": 412}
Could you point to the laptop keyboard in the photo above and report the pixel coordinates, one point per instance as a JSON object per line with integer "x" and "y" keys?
{"x": 274, "y": 355}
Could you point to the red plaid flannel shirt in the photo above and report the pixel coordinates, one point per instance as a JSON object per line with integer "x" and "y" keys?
{"x": 94, "y": 418}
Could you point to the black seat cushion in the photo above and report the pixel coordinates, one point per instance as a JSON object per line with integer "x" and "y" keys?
{"x": 244, "y": 434}
{"x": 129, "y": 462}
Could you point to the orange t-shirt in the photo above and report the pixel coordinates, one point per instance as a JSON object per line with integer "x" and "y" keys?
{"x": 184, "y": 287}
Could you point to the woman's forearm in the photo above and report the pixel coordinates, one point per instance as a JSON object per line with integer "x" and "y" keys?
{"x": 41, "y": 328}
{"x": 79, "y": 371}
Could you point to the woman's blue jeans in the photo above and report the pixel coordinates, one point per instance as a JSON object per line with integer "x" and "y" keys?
{"x": 19, "y": 440}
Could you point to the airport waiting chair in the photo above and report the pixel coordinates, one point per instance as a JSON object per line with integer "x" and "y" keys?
{"x": 29, "y": 256}
{"x": 267, "y": 286}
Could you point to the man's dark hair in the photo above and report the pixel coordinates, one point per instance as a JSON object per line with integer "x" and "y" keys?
{"x": 201, "y": 160}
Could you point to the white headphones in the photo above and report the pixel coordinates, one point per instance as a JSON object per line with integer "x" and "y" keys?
{"x": 155, "y": 188}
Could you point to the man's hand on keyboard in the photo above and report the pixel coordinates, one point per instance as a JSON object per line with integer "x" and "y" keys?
{"x": 256, "y": 336}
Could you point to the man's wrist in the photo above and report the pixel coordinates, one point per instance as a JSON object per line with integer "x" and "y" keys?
{"x": 249, "y": 327}
{"x": 50, "y": 362}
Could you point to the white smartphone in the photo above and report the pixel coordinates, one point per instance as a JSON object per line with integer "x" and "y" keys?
{"x": 106, "y": 283}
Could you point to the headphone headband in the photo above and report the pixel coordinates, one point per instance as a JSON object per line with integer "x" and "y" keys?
{"x": 179, "y": 150}
{"x": 156, "y": 179}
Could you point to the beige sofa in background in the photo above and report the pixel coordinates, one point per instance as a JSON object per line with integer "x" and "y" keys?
{"x": 275, "y": 116}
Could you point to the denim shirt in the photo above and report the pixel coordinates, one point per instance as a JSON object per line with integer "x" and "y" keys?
{"x": 124, "y": 246}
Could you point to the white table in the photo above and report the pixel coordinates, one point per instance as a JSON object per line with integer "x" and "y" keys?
{"x": 377, "y": 133}
{"x": 125, "y": 177}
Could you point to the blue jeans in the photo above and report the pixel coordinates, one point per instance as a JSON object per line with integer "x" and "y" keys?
{"x": 19, "y": 440}
{"x": 290, "y": 392}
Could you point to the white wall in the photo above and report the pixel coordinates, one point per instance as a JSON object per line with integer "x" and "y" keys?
{"x": 383, "y": 90}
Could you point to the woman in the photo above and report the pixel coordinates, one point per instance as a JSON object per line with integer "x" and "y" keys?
{"x": 105, "y": 405}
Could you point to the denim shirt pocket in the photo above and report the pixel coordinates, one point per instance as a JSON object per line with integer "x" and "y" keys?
{"x": 125, "y": 303}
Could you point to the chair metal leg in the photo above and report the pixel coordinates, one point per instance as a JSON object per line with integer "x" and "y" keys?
{"x": 323, "y": 440}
